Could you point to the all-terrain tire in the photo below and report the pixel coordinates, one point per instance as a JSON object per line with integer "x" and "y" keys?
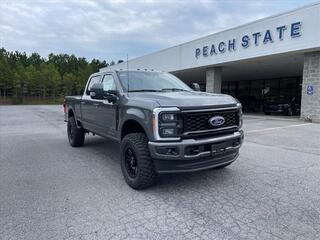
{"x": 144, "y": 173}
{"x": 75, "y": 134}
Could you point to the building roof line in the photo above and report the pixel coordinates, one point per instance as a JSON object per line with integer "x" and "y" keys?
{"x": 229, "y": 29}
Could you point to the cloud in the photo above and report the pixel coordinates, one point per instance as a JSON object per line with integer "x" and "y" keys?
{"x": 111, "y": 29}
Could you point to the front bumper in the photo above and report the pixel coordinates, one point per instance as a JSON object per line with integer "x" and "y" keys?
{"x": 196, "y": 154}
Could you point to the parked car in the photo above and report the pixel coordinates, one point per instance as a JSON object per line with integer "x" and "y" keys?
{"x": 284, "y": 105}
{"x": 162, "y": 125}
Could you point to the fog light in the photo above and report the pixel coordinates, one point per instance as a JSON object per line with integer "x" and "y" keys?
{"x": 236, "y": 143}
{"x": 193, "y": 150}
{"x": 168, "y": 150}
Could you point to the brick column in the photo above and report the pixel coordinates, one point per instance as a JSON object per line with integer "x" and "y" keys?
{"x": 213, "y": 80}
{"x": 310, "y": 102}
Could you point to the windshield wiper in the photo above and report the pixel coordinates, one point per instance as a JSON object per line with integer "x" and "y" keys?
{"x": 145, "y": 90}
{"x": 174, "y": 89}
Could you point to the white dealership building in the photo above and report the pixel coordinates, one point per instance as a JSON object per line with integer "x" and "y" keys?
{"x": 276, "y": 56}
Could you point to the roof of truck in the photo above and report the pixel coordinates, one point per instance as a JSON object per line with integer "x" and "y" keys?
{"x": 131, "y": 70}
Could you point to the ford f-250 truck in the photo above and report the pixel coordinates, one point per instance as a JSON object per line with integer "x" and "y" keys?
{"x": 162, "y": 125}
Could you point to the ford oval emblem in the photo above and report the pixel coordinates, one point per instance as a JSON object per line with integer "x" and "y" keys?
{"x": 216, "y": 121}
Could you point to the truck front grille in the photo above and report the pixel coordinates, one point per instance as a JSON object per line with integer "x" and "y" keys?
{"x": 196, "y": 122}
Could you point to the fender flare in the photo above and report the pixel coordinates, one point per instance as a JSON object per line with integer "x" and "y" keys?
{"x": 139, "y": 116}
{"x": 70, "y": 109}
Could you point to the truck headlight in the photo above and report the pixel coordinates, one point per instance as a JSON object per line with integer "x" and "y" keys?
{"x": 167, "y": 117}
{"x": 167, "y": 123}
{"x": 239, "y": 105}
{"x": 170, "y": 124}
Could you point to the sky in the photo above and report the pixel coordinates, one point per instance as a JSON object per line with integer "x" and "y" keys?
{"x": 109, "y": 30}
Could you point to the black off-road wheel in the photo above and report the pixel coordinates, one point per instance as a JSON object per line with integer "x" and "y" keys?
{"x": 136, "y": 163}
{"x": 75, "y": 134}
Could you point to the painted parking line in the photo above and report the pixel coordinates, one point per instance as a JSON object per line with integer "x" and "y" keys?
{"x": 276, "y": 128}
{"x": 252, "y": 117}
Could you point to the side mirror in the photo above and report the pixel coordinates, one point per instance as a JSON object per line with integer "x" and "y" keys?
{"x": 195, "y": 86}
{"x": 96, "y": 91}
{"x": 111, "y": 95}
{"x": 113, "y": 92}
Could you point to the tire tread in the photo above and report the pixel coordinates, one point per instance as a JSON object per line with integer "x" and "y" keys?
{"x": 146, "y": 171}
{"x": 79, "y": 133}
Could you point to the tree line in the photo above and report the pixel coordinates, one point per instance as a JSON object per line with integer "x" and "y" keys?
{"x": 34, "y": 79}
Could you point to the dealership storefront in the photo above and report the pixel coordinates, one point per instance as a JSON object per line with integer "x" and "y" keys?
{"x": 276, "y": 57}
{"x": 258, "y": 91}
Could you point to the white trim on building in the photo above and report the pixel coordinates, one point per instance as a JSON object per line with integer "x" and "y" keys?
{"x": 306, "y": 21}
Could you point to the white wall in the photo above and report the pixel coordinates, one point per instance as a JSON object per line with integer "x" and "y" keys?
{"x": 183, "y": 56}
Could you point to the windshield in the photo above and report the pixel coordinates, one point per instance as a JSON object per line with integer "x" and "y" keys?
{"x": 151, "y": 81}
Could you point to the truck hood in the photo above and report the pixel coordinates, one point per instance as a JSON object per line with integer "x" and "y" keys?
{"x": 185, "y": 99}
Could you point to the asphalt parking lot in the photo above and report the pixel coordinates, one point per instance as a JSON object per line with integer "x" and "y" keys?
{"x": 49, "y": 190}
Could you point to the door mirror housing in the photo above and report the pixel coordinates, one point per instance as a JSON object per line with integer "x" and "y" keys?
{"x": 96, "y": 91}
{"x": 111, "y": 95}
{"x": 113, "y": 92}
{"x": 195, "y": 86}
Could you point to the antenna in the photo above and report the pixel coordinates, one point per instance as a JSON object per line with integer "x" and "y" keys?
{"x": 128, "y": 72}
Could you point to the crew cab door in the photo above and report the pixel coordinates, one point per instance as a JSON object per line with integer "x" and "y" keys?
{"x": 89, "y": 105}
{"x": 106, "y": 112}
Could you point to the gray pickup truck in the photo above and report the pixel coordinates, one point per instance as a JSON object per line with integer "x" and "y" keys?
{"x": 162, "y": 125}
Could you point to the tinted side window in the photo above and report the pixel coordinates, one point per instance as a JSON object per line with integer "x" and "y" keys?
{"x": 93, "y": 80}
{"x": 108, "y": 83}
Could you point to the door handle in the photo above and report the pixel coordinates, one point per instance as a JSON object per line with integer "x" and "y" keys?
{"x": 96, "y": 104}
{"x": 83, "y": 102}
